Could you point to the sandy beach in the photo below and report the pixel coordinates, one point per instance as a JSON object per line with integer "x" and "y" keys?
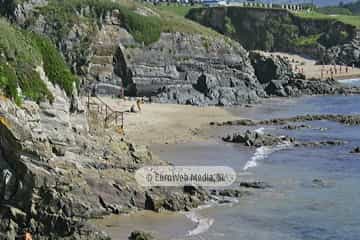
{"x": 312, "y": 70}
{"x": 167, "y": 123}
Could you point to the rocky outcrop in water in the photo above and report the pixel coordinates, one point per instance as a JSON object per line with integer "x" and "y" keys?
{"x": 230, "y": 193}
{"x": 255, "y": 139}
{"x": 320, "y": 143}
{"x": 356, "y": 150}
{"x": 343, "y": 119}
{"x": 256, "y": 185}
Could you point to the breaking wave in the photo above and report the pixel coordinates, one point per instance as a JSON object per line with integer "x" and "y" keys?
{"x": 202, "y": 223}
{"x": 263, "y": 152}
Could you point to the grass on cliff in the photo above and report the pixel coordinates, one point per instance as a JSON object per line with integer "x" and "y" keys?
{"x": 54, "y": 65}
{"x": 65, "y": 14}
{"x": 180, "y": 10}
{"x": 352, "y": 20}
{"x": 306, "y": 41}
{"x": 20, "y": 53}
{"x": 145, "y": 29}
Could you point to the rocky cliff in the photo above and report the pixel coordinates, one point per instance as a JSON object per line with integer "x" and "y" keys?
{"x": 170, "y": 60}
{"x": 187, "y": 67}
{"x": 280, "y": 30}
{"x": 54, "y": 173}
{"x": 54, "y": 176}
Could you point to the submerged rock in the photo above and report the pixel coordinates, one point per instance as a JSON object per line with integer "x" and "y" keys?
{"x": 356, "y": 150}
{"x": 320, "y": 143}
{"x": 295, "y": 127}
{"x": 257, "y": 185}
{"x": 320, "y": 183}
{"x": 233, "y": 193}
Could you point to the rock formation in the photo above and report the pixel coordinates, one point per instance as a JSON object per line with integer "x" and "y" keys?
{"x": 343, "y": 119}
{"x": 55, "y": 175}
{"x": 327, "y": 40}
{"x": 255, "y": 139}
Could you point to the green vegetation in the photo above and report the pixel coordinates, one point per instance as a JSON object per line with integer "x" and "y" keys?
{"x": 20, "y": 53}
{"x": 54, "y": 66}
{"x": 353, "y": 7}
{"x": 275, "y": 29}
{"x": 307, "y": 41}
{"x": 334, "y": 11}
{"x": 352, "y": 20}
{"x": 254, "y": 28}
{"x": 229, "y": 27}
{"x": 179, "y": 10}
{"x": 65, "y": 15}
{"x": 145, "y": 29}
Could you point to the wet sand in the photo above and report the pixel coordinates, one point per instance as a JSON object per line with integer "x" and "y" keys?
{"x": 163, "y": 226}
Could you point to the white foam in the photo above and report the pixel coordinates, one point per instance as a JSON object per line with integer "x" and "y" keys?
{"x": 349, "y": 80}
{"x": 202, "y": 224}
{"x": 262, "y": 153}
{"x": 260, "y": 130}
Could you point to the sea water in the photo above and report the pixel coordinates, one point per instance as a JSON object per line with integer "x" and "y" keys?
{"x": 295, "y": 207}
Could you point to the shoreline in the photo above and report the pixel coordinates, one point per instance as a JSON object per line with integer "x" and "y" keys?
{"x": 181, "y": 110}
{"x": 172, "y": 124}
{"x": 349, "y": 77}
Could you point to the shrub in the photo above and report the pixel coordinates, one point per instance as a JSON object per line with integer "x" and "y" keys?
{"x": 145, "y": 29}
{"x": 54, "y": 65}
{"x": 20, "y": 53}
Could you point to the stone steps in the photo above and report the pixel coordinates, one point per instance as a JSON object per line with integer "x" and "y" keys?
{"x": 102, "y": 59}
{"x": 97, "y": 69}
{"x": 104, "y": 50}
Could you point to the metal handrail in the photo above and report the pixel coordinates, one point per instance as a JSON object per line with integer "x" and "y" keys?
{"x": 109, "y": 112}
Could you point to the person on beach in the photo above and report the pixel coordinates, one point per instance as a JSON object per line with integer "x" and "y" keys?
{"x": 138, "y": 104}
{"x": 27, "y": 236}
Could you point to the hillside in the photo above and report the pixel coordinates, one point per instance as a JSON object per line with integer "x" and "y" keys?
{"x": 149, "y": 50}
{"x": 280, "y": 30}
{"x": 353, "y": 7}
{"x": 21, "y": 53}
